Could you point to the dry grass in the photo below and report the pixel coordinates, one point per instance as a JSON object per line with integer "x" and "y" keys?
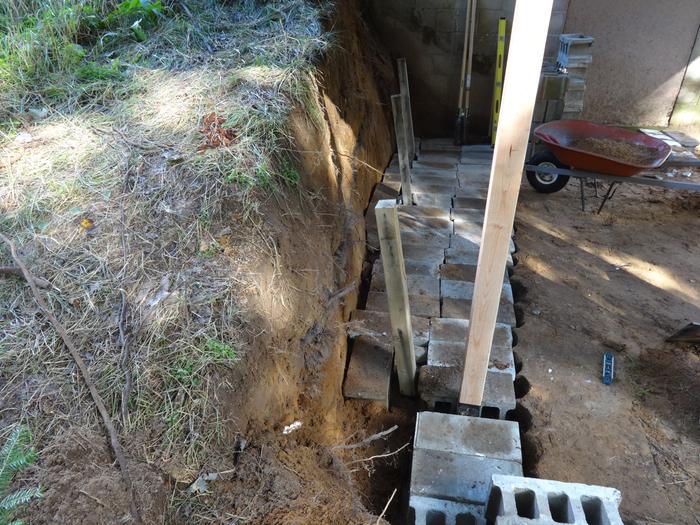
{"x": 109, "y": 193}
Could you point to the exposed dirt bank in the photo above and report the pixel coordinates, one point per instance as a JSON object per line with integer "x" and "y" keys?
{"x": 297, "y": 261}
{"x": 621, "y": 281}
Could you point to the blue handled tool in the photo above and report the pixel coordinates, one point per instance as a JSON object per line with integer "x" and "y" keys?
{"x": 608, "y": 368}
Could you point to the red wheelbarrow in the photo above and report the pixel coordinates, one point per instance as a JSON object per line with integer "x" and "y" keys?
{"x": 573, "y": 150}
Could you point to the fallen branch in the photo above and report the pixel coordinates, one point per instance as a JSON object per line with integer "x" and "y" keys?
{"x": 16, "y": 272}
{"x": 75, "y": 354}
{"x": 386, "y": 507}
{"x": 123, "y": 343}
{"x": 365, "y": 442}
{"x": 379, "y": 456}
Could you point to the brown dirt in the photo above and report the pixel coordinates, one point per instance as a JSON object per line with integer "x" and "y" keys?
{"x": 620, "y": 281}
{"x": 618, "y": 150}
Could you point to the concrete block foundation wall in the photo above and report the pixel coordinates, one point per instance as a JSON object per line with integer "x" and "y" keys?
{"x": 430, "y": 35}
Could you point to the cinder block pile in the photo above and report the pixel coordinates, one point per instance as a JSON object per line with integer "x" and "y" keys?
{"x": 574, "y": 58}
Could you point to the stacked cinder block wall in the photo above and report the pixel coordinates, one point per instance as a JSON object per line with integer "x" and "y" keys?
{"x": 430, "y": 34}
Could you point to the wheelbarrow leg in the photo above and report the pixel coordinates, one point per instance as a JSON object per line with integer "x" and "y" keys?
{"x": 583, "y": 196}
{"x": 609, "y": 195}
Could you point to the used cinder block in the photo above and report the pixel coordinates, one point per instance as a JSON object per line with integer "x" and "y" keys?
{"x": 465, "y": 290}
{"x": 476, "y": 157}
{"x": 413, "y": 222}
{"x": 369, "y": 371}
{"x": 552, "y": 86}
{"x": 377, "y": 325}
{"x": 514, "y": 499}
{"x": 446, "y": 329}
{"x": 431, "y": 145}
{"x": 430, "y": 511}
{"x": 441, "y": 384}
{"x": 417, "y": 284}
{"x": 462, "y": 272}
{"x": 472, "y": 191}
{"x": 417, "y": 186}
{"x": 425, "y": 212}
{"x": 457, "y": 477}
{"x": 421, "y": 253}
{"x": 461, "y": 252}
{"x": 420, "y": 305}
{"x": 472, "y": 203}
{"x": 461, "y": 308}
{"x": 431, "y": 239}
{"x": 451, "y": 353}
{"x": 441, "y": 200}
{"x": 468, "y": 233}
{"x": 454, "y": 459}
{"x": 470, "y": 436}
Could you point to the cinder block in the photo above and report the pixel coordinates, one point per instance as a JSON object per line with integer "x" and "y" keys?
{"x": 431, "y": 239}
{"x": 472, "y": 190}
{"x": 476, "y": 157}
{"x": 514, "y": 499}
{"x": 471, "y": 436}
{"x": 465, "y": 290}
{"x": 457, "y": 477}
{"x": 420, "y": 305}
{"x": 441, "y": 384}
{"x": 417, "y": 284}
{"x": 418, "y": 186}
{"x": 369, "y": 371}
{"x": 431, "y": 511}
{"x": 468, "y": 233}
{"x": 420, "y": 253}
{"x": 450, "y": 353}
{"x": 424, "y": 212}
{"x": 453, "y": 461}
{"x": 552, "y": 86}
{"x": 475, "y": 171}
{"x": 432, "y": 199}
{"x": 465, "y": 214}
{"x": 414, "y": 222}
{"x": 463, "y": 252}
{"x": 461, "y": 308}
{"x": 430, "y": 145}
{"x": 462, "y": 272}
{"x": 447, "y": 329}
{"x": 472, "y": 203}
{"x": 377, "y": 325}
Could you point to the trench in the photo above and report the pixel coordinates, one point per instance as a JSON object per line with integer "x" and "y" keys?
{"x": 379, "y": 484}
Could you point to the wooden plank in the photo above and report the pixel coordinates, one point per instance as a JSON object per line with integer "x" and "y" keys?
{"x": 408, "y": 114}
{"x": 525, "y": 54}
{"x": 397, "y": 294}
{"x": 402, "y": 147}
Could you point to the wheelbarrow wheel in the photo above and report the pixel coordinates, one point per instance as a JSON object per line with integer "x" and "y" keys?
{"x": 546, "y": 182}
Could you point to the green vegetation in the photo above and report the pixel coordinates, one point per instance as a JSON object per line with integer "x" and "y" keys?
{"x": 118, "y": 112}
{"x": 15, "y": 456}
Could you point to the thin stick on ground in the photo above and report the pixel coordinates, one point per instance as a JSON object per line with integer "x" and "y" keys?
{"x": 75, "y": 354}
{"x": 365, "y": 442}
{"x": 379, "y": 456}
{"x": 386, "y": 507}
{"x": 123, "y": 343}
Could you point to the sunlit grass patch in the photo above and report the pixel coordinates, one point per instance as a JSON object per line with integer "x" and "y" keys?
{"x": 108, "y": 192}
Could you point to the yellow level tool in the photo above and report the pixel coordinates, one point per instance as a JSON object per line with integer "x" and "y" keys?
{"x": 498, "y": 79}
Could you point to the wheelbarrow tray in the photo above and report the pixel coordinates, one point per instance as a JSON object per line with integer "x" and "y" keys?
{"x": 558, "y": 136}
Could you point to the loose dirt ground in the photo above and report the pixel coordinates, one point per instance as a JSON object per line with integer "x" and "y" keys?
{"x": 621, "y": 281}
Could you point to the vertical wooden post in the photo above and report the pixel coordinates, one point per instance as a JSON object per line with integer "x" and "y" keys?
{"x": 397, "y": 105}
{"x": 397, "y": 294}
{"x": 408, "y": 114}
{"x": 525, "y": 56}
